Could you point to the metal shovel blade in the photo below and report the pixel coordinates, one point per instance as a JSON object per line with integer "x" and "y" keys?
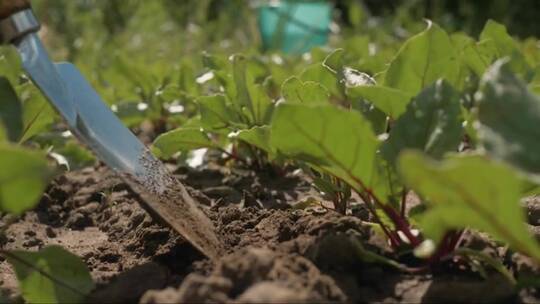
{"x": 97, "y": 126}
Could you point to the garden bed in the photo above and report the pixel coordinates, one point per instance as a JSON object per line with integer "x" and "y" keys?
{"x": 276, "y": 252}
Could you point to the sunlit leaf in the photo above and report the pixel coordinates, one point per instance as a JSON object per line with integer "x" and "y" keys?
{"x": 337, "y": 141}
{"x": 422, "y": 60}
{"x": 497, "y": 44}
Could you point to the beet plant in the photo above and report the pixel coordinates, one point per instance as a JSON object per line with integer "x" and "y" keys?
{"x": 423, "y": 147}
{"x": 234, "y": 120}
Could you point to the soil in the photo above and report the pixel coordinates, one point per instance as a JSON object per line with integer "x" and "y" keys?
{"x": 275, "y": 251}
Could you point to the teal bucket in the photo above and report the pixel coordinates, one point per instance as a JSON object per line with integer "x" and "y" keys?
{"x": 294, "y": 26}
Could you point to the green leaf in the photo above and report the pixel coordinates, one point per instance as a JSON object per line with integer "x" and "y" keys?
{"x": 431, "y": 124}
{"x": 256, "y": 136}
{"x": 377, "y": 118}
{"x": 51, "y": 275}
{"x": 261, "y": 104}
{"x": 316, "y": 135}
{"x": 391, "y": 101}
{"x": 181, "y": 140}
{"x": 422, "y": 60}
{"x": 295, "y": 90}
{"x": 471, "y": 54}
{"x": 509, "y": 116}
{"x": 242, "y": 79}
{"x": 250, "y": 99}
{"x": 323, "y": 75}
{"x": 10, "y": 110}
{"x": 334, "y": 60}
{"x": 77, "y": 156}
{"x": 497, "y": 43}
{"x": 216, "y": 113}
{"x": 23, "y": 178}
{"x": 38, "y": 115}
{"x": 130, "y": 113}
{"x": 469, "y": 192}
{"x": 10, "y": 64}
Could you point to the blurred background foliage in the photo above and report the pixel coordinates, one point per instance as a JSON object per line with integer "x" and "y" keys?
{"x": 151, "y": 59}
{"x": 151, "y": 52}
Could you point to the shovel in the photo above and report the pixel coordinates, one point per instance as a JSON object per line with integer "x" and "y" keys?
{"x": 94, "y": 124}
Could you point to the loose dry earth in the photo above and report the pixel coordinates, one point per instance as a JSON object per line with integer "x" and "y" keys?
{"x": 276, "y": 253}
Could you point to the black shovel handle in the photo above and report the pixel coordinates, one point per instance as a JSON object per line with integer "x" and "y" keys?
{"x": 10, "y": 7}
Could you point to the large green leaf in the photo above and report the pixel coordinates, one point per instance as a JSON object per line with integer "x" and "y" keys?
{"x": 23, "y": 177}
{"x": 509, "y": 116}
{"x": 10, "y": 110}
{"x": 181, "y": 140}
{"x": 295, "y": 90}
{"x": 469, "y": 192}
{"x": 422, "y": 60}
{"x": 51, "y": 275}
{"x": 431, "y": 124}
{"x": 335, "y": 140}
{"x": 391, "y": 101}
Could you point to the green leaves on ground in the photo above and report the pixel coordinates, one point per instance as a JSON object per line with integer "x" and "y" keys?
{"x": 51, "y": 275}
{"x": 422, "y": 60}
{"x": 509, "y": 117}
{"x": 469, "y": 191}
{"x": 182, "y": 139}
{"x": 23, "y": 177}
{"x": 339, "y": 142}
{"x": 431, "y": 124}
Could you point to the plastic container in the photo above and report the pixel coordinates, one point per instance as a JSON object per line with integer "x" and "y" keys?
{"x": 294, "y": 26}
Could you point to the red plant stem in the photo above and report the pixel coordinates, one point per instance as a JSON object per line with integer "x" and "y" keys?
{"x": 404, "y": 203}
{"x": 455, "y": 240}
{"x": 401, "y": 224}
{"x": 448, "y": 244}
